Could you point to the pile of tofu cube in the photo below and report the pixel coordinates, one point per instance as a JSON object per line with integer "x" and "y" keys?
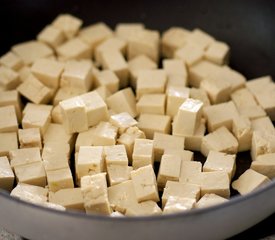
{"x": 88, "y": 113}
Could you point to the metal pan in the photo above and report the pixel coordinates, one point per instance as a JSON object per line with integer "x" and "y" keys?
{"x": 247, "y": 26}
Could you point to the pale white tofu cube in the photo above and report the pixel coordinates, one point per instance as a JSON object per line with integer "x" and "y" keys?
{"x": 144, "y": 208}
{"x": 108, "y": 79}
{"x": 6, "y": 174}
{"x": 126, "y": 30}
{"x": 103, "y": 92}
{"x": 8, "y": 120}
{"x": 265, "y": 164}
{"x": 184, "y": 154}
{"x": 64, "y": 93}
{"x": 243, "y": 98}
{"x": 174, "y": 67}
{"x": 151, "y": 103}
{"x": 201, "y": 38}
{"x": 85, "y": 138}
{"x": 178, "y": 204}
{"x": 217, "y": 52}
{"x": 200, "y": 94}
{"x": 143, "y": 153}
{"x": 12, "y": 98}
{"x": 105, "y": 134}
{"x": 210, "y": 199}
{"x": 8, "y": 142}
{"x": 51, "y": 36}
{"x": 189, "y": 170}
{"x": 9, "y": 79}
{"x": 29, "y": 138}
{"x": 115, "y": 155}
{"x": 263, "y": 124}
{"x": 123, "y": 121}
{"x": 118, "y": 173}
{"x": 12, "y": 61}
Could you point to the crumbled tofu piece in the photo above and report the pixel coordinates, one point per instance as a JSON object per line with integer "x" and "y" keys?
{"x": 190, "y": 54}
{"x": 173, "y": 39}
{"x": 176, "y": 95}
{"x": 32, "y": 173}
{"x": 265, "y": 164}
{"x": 143, "y": 153}
{"x": 8, "y": 142}
{"x": 147, "y": 123}
{"x": 8, "y": 120}
{"x": 128, "y": 139}
{"x": 74, "y": 115}
{"x": 70, "y": 198}
{"x": 31, "y": 51}
{"x": 218, "y": 161}
{"x": 30, "y": 193}
{"x": 123, "y": 101}
{"x": 169, "y": 169}
{"x": 143, "y": 209}
{"x": 249, "y": 181}
{"x": 96, "y": 108}
{"x": 145, "y": 184}
{"x": 114, "y": 61}
{"x": 77, "y": 74}
{"x": 12, "y": 98}
{"x": 115, "y": 155}
{"x": 118, "y": 173}
{"x": 108, "y": 79}
{"x": 68, "y": 24}
{"x": 29, "y": 138}
{"x": 105, "y": 134}
{"x": 75, "y": 48}
{"x": 90, "y": 161}
{"x": 189, "y": 169}
{"x": 210, "y": 199}
{"x": 201, "y": 38}
{"x": 219, "y": 115}
{"x": 51, "y": 36}
{"x": 60, "y": 179}
{"x": 200, "y": 94}
{"x": 123, "y": 121}
{"x": 163, "y": 142}
{"x": 9, "y": 79}
{"x": 151, "y": 81}
{"x": 94, "y": 191}
{"x": 178, "y": 204}
{"x": 95, "y": 34}
{"x": 217, "y": 52}
{"x": 85, "y": 138}
{"x": 151, "y": 103}
{"x": 144, "y": 42}
{"x": 263, "y": 124}
{"x": 12, "y": 61}
{"x": 177, "y": 189}
{"x": 137, "y": 64}
{"x": 126, "y": 30}
{"x": 184, "y": 154}
{"x": 212, "y": 141}
{"x": 35, "y": 91}
{"x": 6, "y": 174}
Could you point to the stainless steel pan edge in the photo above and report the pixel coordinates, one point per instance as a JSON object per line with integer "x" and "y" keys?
{"x": 217, "y": 222}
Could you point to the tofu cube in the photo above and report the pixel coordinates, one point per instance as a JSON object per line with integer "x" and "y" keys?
{"x": 177, "y": 189}
{"x": 145, "y": 184}
{"x": 252, "y": 112}
{"x": 175, "y": 67}
{"x": 243, "y": 98}
{"x": 249, "y": 181}
{"x": 144, "y": 208}
{"x": 33, "y": 173}
{"x": 12, "y": 98}
{"x": 189, "y": 170}
{"x": 115, "y": 155}
{"x": 8, "y": 120}
{"x": 118, "y": 173}
{"x": 147, "y": 123}
{"x": 123, "y": 121}
{"x": 200, "y": 38}
{"x": 64, "y": 93}
{"x": 143, "y": 153}
{"x": 12, "y": 61}
{"x": 31, "y": 51}
{"x": 188, "y": 117}
{"x": 126, "y": 30}
{"x": 162, "y": 142}
{"x": 74, "y": 115}
{"x": 169, "y": 170}
{"x": 103, "y": 92}
{"x": 60, "y": 179}
{"x": 8, "y": 142}
{"x": 51, "y": 36}
{"x": 263, "y": 124}
{"x": 184, "y": 154}
{"x": 217, "y": 52}
{"x": 151, "y": 103}
{"x": 151, "y": 81}
{"x": 218, "y": 161}
{"x": 123, "y": 101}
{"x": 212, "y": 141}
{"x": 265, "y": 164}
{"x": 105, "y": 134}
{"x": 200, "y": 94}
{"x": 29, "y": 138}
{"x": 6, "y": 174}
{"x": 9, "y": 79}
{"x": 210, "y": 199}
{"x": 85, "y": 138}
{"x": 178, "y": 204}
{"x": 77, "y": 74}
{"x": 108, "y": 79}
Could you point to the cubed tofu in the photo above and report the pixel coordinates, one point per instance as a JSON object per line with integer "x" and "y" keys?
{"x": 85, "y": 138}
{"x": 184, "y": 154}
{"x": 74, "y": 115}
{"x": 169, "y": 170}
{"x": 218, "y": 161}
{"x": 123, "y": 121}
{"x": 126, "y": 30}
{"x": 249, "y": 181}
{"x": 189, "y": 170}
{"x": 145, "y": 184}
{"x": 70, "y": 198}
{"x": 115, "y": 155}
{"x": 29, "y": 138}
{"x": 151, "y": 103}
{"x": 8, "y": 142}
{"x": 212, "y": 141}
{"x": 243, "y": 98}
{"x": 95, "y": 196}
{"x": 6, "y": 174}
{"x": 263, "y": 124}
{"x": 12, "y": 61}
{"x": 143, "y": 209}
{"x": 104, "y": 92}
{"x": 105, "y": 134}
{"x": 51, "y": 36}
{"x": 252, "y": 112}
{"x": 200, "y": 94}
{"x": 56, "y": 115}
{"x": 118, "y": 173}
{"x": 77, "y": 74}
{"x": 178, "y": 204}
{"x": 108, "y": 79}
{"x": 68, "y": 24}
{"x": 31, "y": 51}
{"x": 12, "y": 98}
{"x": 174, "y": 67}
{"x": 64, "y": 93}
{"x": 265, "y": 164}
{"x": 8, "y": 120}
{"x": 217, "y": 52}
{"x": 151, "y": 81}
{"x": 210, "y": 199}
{"x": 32, "y": 173}
{"x": 143, "y": 153}
{"x": 147, "y": 123}
{"x": 201, "y": 38}
{"x": 162, "y": 142}
{"x": 60, "y": 179}
{"x": 177, "y": 189}
{"x": 123, "y": 101}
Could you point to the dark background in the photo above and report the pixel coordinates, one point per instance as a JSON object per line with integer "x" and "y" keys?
{"x": 247, "y": 26}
